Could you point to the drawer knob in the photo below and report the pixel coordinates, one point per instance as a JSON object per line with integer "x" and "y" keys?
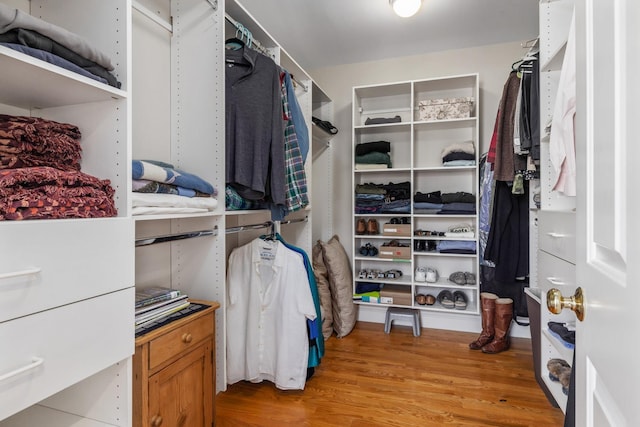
{"x": 187, "y": 338}
{"x": 156, "y": 421}
{"x": 556, "y": 302}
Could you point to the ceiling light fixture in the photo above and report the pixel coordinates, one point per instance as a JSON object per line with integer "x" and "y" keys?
{"x": 405, "y": 8}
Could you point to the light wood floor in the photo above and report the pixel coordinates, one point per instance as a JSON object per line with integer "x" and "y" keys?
{"x": 370, "y": 378}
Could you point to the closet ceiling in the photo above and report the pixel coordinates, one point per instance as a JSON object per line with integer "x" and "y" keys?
{"x": 321, "y": 33}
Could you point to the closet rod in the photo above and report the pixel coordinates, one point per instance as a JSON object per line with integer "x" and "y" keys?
{"x": 146, "y": 241}
{"x": 240, "y": 228}
{"x": 151, "y": 15}
{"x": 267, "y": 224}
{"x": 261, "y": 48}
{"x": 294, "y": 221}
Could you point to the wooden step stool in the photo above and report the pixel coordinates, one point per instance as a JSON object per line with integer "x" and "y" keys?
{"x": 400, "y": 313}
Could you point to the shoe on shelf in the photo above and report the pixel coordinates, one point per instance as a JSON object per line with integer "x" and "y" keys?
{"x": 361, "y": 226}
{"x": 458, "y": 278}
{"x": 421, "y": 274}
{"x": 368, "y": 250}
{"x": 430, "y": 299}
{"x": 421, "y": 299}
{"x": 432, "y": 275}
{"x": 556, "y": 367}
{"x": 372, "y": 227}
{"x": 445, "y": 298}
{"x": 393, "y": 274}
{"x": 460, "y": 300}
{"x": 469, "y": 278}
{"x": 565, "y": 380}
{"x": 362, "y": 274}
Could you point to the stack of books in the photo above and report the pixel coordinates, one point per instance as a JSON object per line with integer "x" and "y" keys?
{"x": 157, "y": 302}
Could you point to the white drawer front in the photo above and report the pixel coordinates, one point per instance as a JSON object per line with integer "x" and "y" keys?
{"x": 557, "y": 234}
{"x": 47, "y": 352}
{"x": 46, "y": 264}
{"x": 556, "y": 273}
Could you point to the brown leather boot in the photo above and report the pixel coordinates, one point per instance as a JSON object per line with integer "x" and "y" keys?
{"x": 488, "y": 305}
{"x": 504, "y": 316}
{"x": 361, "y": 226}
{"x": 372, "y": 227}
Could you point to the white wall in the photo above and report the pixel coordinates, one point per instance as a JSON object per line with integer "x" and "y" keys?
{"x": 492, "y": 63}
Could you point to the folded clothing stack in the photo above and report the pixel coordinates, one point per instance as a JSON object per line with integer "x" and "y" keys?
{"x": 373, "y": 155}
{"x": 461, "y": 203}
{"x": 40, "y": 175}
{"x": 42, "y": 40}
{"x": 159, "y": 188}
{"x": 459, "y": 154}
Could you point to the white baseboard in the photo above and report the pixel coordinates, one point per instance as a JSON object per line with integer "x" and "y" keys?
{"x": 440, "y": 320}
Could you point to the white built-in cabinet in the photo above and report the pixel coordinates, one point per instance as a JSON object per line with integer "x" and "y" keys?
{"x": 178, "y": 117}
{"x": 178, "y": 113}
{"x": 67, "y": 285}
{"x": 416, "y": 154}
{"x": 556, "y": 226}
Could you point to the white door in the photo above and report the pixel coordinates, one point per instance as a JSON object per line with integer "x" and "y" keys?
{"x": 608, "y": 212}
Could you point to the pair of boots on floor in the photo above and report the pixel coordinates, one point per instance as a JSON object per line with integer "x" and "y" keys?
{"x": 497, "y": 314}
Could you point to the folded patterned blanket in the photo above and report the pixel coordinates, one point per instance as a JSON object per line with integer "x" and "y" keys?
{"x": 33, "y": 141}
{"x": 48, "y": 193}
{"x": 146, "y": 186}
{"x": 166, "y": 173}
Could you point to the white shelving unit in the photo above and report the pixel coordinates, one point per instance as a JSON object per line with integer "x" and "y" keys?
{"x": 56, "y": 303}
{"x": 416, "y": 148}
{"x": 323, "y": 219}
{"x": 178, "y": 112}
{"x": 555, "y": 255}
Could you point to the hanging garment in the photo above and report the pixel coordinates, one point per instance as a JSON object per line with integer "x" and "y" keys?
{"x": 508, "y": 242}
{"x": 562, "y": 149}
{"x": 506, "y": 161}
{"x": 269, "y": 301}
{"x": 300, "y": 126}
{"x": 529, "y": 113}
{"x": 295, "y": 175}
{"x": 254, "y": 127}
{"x": 316, "y": 339}
{"x": 484, "y": 217}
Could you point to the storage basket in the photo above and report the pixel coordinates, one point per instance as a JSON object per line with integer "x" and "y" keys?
{"x": 445, "y": 108}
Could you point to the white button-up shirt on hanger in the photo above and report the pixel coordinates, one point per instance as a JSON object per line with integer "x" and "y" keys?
{"x": 269, "y": 300}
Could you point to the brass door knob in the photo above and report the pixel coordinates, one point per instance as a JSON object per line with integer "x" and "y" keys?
{"x": 187, "y": 338}
{"x": 556, "y": 302}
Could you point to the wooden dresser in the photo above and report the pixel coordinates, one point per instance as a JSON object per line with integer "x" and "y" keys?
{"x": 174, "y": 372}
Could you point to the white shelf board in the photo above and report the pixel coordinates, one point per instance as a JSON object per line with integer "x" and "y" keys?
{"x": 38, "y": 84}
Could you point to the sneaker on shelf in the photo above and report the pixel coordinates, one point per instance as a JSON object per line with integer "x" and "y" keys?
{"x": 421, "y": 274}
{"x": 431, "y": 275}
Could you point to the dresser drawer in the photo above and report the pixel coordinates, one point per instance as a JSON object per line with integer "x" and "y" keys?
{"x": 47, "y": 352}
{"x": 554, "y": 272}
{"x": 557, "y": 234}
{"x": 176, "y": 341}
{"x": 49, "y": 263}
